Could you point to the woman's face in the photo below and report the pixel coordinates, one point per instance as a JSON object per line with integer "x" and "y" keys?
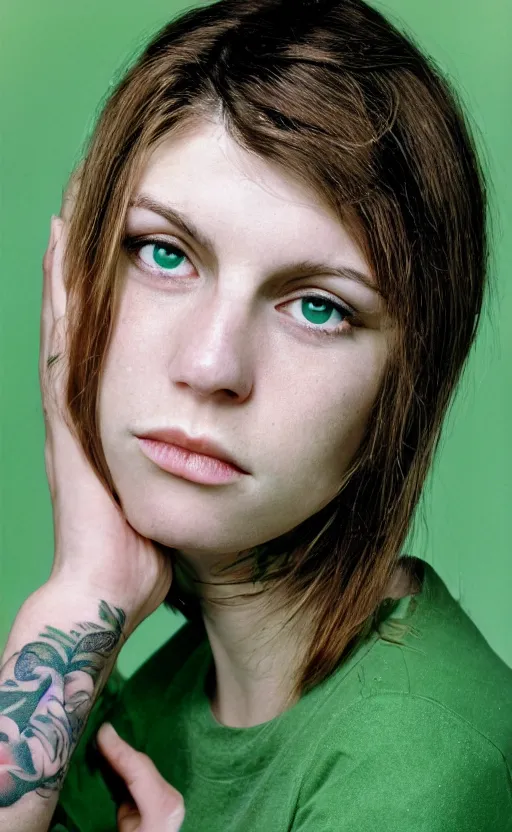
{"x": 218, "y": 335}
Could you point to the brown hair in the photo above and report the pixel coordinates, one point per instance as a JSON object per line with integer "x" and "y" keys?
{"x": 339, "y": 98}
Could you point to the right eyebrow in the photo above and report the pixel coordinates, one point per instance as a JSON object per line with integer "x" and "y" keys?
{"x": 174, "y": 217}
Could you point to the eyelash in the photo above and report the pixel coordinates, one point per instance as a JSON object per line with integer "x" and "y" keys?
{"x": 132, "y": 244}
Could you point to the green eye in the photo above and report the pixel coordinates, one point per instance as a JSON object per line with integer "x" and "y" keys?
{"x": 156, "y": 254}
{"x": 166, "y": 257}
{"x": 317, "y": 310}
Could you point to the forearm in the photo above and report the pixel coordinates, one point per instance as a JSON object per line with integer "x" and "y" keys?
{"x": 60, "y": 652}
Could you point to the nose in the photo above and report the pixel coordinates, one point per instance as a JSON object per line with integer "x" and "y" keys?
{"x": 213, "y": 355}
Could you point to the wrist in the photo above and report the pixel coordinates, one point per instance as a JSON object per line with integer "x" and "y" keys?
{"x": 73, "y": 596}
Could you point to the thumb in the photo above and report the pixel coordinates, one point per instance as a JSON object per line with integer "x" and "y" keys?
{"x": 128, "y": 818}
{"x": 158, "y": 806}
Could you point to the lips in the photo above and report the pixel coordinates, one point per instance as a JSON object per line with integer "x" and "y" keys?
{"x": 196, "y": 444}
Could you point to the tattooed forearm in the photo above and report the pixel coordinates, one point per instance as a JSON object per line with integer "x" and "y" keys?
{"x": 47, "y": 690}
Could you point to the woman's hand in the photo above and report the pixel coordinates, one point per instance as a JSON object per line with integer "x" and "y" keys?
{"x": 157, "y": 806}
{"x": 96, "y": 549}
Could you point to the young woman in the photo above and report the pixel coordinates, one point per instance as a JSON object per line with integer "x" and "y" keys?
{"x": 258, "y": 301}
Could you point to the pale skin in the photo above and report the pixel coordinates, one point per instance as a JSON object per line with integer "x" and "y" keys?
{"x": 217, "y": 343}
{"x": 229, "y": 350}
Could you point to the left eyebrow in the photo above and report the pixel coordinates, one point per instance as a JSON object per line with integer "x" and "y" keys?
{"x": 314, "y": 268}
{"x": 300, "y": 270}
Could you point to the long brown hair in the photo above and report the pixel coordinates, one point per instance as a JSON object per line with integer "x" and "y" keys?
{"x": 341, "y": 100}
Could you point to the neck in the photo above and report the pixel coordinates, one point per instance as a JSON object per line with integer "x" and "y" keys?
{"x": 256, "y": 651}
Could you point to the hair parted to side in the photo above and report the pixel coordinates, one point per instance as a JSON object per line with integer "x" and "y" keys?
{"x": 341, "y": 100}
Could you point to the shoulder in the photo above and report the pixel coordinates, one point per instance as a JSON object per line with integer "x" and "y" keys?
{"x": 407, "y": 728}
{"x": 417, "y": 731}
{"x": 396, "y": 761}
{"x": 435, "y": 653}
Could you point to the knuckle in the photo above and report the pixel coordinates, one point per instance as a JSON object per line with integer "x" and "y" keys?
{"x": 176, "y": 819}
{"x": 174, "y": 804}
{"x": 176, "y": 800}
{"x": 126, "y": 758}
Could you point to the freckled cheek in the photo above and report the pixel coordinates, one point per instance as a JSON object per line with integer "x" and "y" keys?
{"x": 321, "y": 425}
{"x": 125, "y": 377}
{"x": 139, "y": 357}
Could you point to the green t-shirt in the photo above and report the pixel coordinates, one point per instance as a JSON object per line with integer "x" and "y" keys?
{"x": 413, "y": 733}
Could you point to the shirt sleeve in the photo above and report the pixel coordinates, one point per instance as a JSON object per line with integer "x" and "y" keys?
{"x": 401, "y": 763}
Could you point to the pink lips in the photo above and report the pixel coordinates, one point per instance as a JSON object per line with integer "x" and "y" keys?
{"x": 199, "y": 460}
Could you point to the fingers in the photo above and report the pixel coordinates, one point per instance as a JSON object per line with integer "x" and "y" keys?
{"x": 45, "y": 341}
{"x": 46, "y": 323}
{"x": 128, "y": 818}
{"x": 70, "y": 192}
{"x": 48, "y": 307}
{"x": 54, "y": 293}
{"x": 57, "y": 289}
{"x": 53, "y": 325}
{"x": 159, "y": 807}
{"x": 53, "y": 332}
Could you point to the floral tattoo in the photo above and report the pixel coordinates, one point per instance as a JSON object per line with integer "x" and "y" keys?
{"x": 47, "y": 690}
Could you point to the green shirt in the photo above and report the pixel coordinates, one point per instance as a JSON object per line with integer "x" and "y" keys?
{"x": 412, "y": 733}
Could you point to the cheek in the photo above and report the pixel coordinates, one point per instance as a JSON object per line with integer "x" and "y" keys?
{"x": 124, "y": 386}
{"x": 114, "y": 388}
{"x": 318, "y": 423}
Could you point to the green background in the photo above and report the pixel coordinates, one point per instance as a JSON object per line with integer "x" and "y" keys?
{"x": 57, "y": 59}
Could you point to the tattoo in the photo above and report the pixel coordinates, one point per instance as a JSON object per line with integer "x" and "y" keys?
{"x": 47, "y": 690}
